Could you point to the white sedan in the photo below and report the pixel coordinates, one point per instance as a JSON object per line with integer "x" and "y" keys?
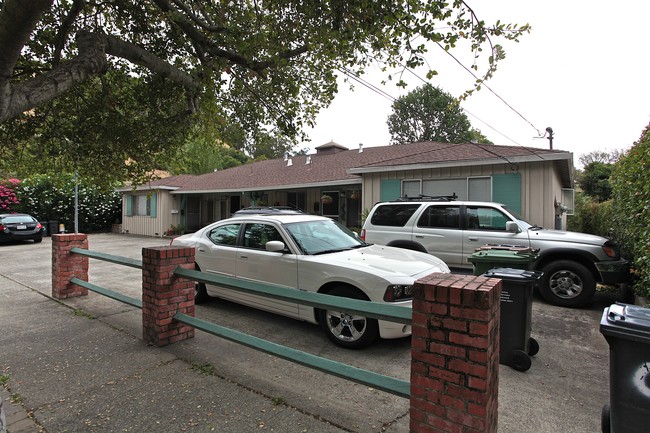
{"x": 315, "y": 254}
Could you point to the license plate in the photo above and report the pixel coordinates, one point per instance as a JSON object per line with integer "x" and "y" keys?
{"x": 22, "y": 227}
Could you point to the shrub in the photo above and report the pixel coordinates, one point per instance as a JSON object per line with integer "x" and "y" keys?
{"x": 631, "y": 213}
{"x": 8, "y": 199}
{"x": 49, "y": 197}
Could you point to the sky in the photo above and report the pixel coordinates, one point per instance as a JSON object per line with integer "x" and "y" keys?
{"x": 583, "y": 70}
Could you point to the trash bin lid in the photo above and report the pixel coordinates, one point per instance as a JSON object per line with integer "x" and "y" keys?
{"x": 502, "y": 256}
{"x": 626, "y": 321}
{"x": 512, "y": 274}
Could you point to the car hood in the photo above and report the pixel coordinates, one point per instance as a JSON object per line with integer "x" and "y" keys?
{"x": 388, "y": 260}
{"x": 563, "y": 236}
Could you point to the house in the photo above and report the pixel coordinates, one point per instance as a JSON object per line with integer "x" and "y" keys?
{"x": 537, "y": 183}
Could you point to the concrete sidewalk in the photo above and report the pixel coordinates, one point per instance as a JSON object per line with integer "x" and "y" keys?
{"x": 69, "y": 373}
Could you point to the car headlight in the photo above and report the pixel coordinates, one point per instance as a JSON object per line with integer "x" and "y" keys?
{"x": 398, "y": 292}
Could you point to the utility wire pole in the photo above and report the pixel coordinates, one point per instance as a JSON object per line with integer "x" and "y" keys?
{"x": 549, "y": 130}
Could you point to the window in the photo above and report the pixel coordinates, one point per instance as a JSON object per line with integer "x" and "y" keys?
{"x": 411, "y": 188}
{"x": 257, "y": 235}
{"x": 393, "y": 215}
{"x": 484, "y": 218}
{"x": 445, "y": 187}
{"x": 225, "y": 235}
{"x": 447, "y": 217}
{"x": 331, "y": 208}
{"x": 141, "y": 205}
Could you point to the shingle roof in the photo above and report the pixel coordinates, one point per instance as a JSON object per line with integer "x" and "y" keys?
{"x": 344, "y": 166}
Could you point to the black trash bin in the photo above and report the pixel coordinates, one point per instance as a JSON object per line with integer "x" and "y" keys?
{"x": 627, "y": 331}
{"x": 52, "y": 227}
{"x": 516, "y": 344}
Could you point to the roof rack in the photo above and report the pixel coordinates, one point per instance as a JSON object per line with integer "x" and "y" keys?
{"x": 429, "y": 198}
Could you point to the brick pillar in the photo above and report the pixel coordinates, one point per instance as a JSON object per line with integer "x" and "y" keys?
{"x": 455, "y": 354}
{"x": 164, "y": 294}
{"x": 66, "y": 265}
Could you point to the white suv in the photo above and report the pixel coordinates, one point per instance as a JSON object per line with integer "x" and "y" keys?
{"x": 452, "y": 230}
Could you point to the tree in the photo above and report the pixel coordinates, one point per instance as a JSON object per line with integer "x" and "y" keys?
{"x": 430, "y": 114}
{"x": 601, "y": 156}
{"x": 266, "y": 65}
{"x": 594, "y": 181}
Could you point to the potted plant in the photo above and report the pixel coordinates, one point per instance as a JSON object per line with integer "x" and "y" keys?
{"x": 326, "y": 199}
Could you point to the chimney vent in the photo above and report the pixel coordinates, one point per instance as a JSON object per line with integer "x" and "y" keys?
{"x": 289, "y": 162}
{"x": 360, "y": 147}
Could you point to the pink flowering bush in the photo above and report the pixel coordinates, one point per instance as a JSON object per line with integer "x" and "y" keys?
{"x": 8, "y": 198}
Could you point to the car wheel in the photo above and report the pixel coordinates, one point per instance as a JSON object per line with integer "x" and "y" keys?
{"x": 200, "y": 291}
{"x": 38, "y": 240}
{"x": 567, "y": 284}
{"x": 351, "y": 331}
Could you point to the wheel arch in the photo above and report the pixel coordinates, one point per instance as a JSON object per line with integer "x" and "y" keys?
{"x": 407, "y": 245}
{"x": 326, "y": 288}
{"x": 586, "y": 260}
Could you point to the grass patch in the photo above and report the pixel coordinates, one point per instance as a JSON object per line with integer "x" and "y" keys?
{"x": 206, "y": 368}
{"x": 278, "y": 401}
{"x": 81, "y": 313}
{"x": 4, "y": 379}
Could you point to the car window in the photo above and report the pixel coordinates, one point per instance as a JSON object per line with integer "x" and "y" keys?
{"x": 485, "y": 218}
{"x": 18, "y": 219}
{"x": 447, "y": 217}
{"x": 318, "y": 237}
{"x": 256, "y": 235}
{"x": 225, "y": 235}
{"x": 394, "y": 215}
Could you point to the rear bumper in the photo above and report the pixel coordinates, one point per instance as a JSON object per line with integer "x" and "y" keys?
{"x": 614, "y": 272}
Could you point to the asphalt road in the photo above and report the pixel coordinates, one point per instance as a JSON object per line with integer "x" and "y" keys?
{"x": 564, "y": 390}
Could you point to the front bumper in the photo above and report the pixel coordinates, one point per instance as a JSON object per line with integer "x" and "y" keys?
{"x": 614, "y": 271}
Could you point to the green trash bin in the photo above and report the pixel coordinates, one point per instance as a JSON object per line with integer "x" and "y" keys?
{"x": 516, "y": 346}
{"x": 627, "y": 331}
{"x": 502, "y": 256}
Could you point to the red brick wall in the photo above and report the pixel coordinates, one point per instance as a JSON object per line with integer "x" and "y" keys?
{"x": 455, "y": 354}
{"x": 66, "y": 265}
{"x": 164, "y": 294}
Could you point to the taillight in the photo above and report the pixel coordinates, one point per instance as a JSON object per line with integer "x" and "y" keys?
{"x": 363, "y": 234}
{"x": 2, "y": 228}
{"x": 39, "y": 226}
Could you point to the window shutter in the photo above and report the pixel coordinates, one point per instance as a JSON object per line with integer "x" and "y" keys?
{"x": 129, "y": 204}
{"x": 391, "y": 189}
{"x": 506, "y": 189}
{"x": 153, "y": 204}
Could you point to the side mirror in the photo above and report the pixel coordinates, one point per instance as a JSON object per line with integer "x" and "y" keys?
{"x": 275, "y": 246}
{"x": 512, "y": 227}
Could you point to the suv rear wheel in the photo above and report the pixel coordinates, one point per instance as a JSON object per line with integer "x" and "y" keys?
{"x": 567, "y": 283}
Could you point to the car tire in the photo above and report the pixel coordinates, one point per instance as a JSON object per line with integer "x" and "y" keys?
{"x": 350, "y": 331}
{"x": 200, "y": 291}
{"x": 38, "y": 240}
{"x": 567, "y": 284}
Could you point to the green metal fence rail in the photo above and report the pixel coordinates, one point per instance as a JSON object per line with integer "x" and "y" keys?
{"x": 381, "y": 311}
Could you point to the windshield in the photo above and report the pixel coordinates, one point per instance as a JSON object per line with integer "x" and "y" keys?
{"x": 519, "y": 218}
{"x": 323, "y": 236}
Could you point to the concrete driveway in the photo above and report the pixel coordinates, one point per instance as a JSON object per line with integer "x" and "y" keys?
{"x": 564, "y": 390}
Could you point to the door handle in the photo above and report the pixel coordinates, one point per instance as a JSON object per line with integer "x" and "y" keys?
{"x": 419, "y": 236}
{"x": 201, "y": 250}
{"x": 473, "y": 238}
{"x": 243, "y": 256}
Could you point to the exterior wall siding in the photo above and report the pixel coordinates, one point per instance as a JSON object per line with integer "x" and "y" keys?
{"x": 540, "y": 185}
